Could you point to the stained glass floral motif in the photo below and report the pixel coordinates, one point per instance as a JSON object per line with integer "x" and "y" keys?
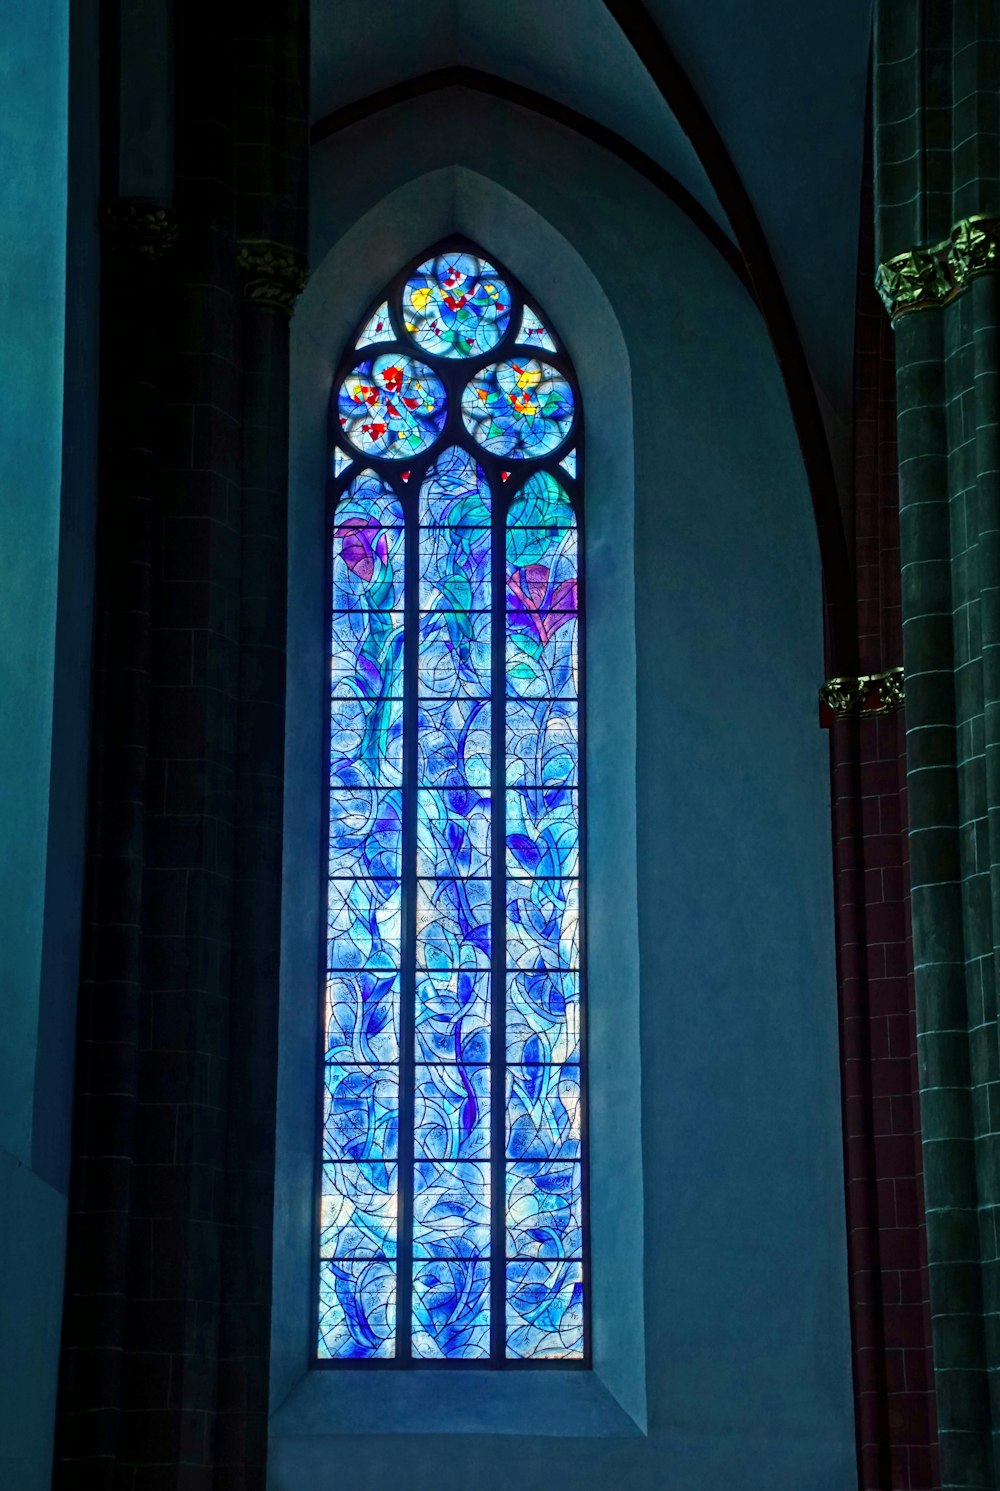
{"x": 543, "y": 1016}
{"x": 453, "y": 1017}
{"x": 363, "y": 923}
{"x": 391, "y": 406}
{"x": 451, "y": 1209}
{"x": 452, "y": 1151}
{"x": 362, "y": 1112}
{"x": 542, "y": 743}
{"x": 451, "y": 1308}
{"x": 452, "y": 1111}
{"x": 453, "y": 743}
{"x": 545, "y": 1310}
{"x": 366, "y": 740}
{"x": 358, "y": 1210}
{"x": 533, "y": 333}
{"x": 362, "y": 1016}
{"x": 519, "y": 408}
{"x": 456, "y": 493}
{"x": 357, "y": 1308}
{"x": 543, "y": 1210}
{"x": 456, "y": 305}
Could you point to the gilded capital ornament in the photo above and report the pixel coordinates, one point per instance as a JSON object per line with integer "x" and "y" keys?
{"x": 923, "y": 278}
{"x": 135, "y": 226}
{"x": 275, "y": 275}
{"x": 865, "y": 696}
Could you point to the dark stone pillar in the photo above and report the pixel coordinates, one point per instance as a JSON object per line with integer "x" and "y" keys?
{"x": 166, "y": 1378}
{"x": 887, "y": 1262}
{"x": 937, "y": 132}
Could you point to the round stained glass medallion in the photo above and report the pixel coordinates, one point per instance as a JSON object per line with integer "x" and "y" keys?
{"x": 456, "y": 305}
{"x": 520, "y": 408}
{"x": 391, "y": 406}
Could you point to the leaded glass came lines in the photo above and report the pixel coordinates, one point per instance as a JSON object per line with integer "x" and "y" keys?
{"x": 452, "y": 1221}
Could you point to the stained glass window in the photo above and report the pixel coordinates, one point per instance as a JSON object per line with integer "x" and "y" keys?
{"x": 452, "y": 1198}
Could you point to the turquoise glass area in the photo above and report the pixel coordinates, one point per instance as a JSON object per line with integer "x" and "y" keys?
{"x": 456, "y": 305}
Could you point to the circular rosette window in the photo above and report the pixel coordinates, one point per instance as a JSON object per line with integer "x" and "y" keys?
{"x": 456, "y": 305}
{"x": 391, "y": 406}
{"x": 520, "y": 408}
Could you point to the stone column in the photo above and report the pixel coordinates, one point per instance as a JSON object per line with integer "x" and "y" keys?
{"x": 179, "y": 1009}
{"x": 937, "y": 193}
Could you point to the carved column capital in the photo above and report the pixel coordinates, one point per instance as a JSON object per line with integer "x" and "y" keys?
{"x": 133, "y": 225}
{"x": 924, "y": 278}
{"x": 274, "y": 274}
{"x": 867, "y": 695}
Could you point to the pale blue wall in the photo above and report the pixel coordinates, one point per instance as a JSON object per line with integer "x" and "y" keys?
{"x": 47, "y": 373}
{"x": 747, "y": 1359}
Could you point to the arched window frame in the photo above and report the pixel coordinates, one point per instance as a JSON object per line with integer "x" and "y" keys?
{"x": 455, "y": 373}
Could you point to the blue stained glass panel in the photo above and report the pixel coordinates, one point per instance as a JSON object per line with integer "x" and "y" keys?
{"x": 543, "y": 833}
{"x": 543, "y": 923}
{"x": 452, "y": 1112}
{"x": 522, "y": 408}
{"x": 391, "y": 405}
{"x": 545, "y": 1310}
{"x": 455, "y": 492}
{"x": 456, "y": 305}
{"x": 541, "y": 503}
{"x": 363, "y": 924}
{"x": 361, "y": 1115}
{"x": 453, "y": 924}
{"x": 542, "y": 655}
{"x": 543, "y": 1017}
{"x": 367, "y": 654}
{"x": 542, "y": 742}
{"x": 451, "y": 1308}
{"x": 543, "y": 1210}
{"x": 378, "y": 327}
{"x": 454, "y": 569}
{"x": 455, "y": 654}
{"x": 533, "y": 333}
{"x": 453, "y": 743}
{"x": 368, "y": 499}
{"x": 357, "y": 1308}
{"x": 453, "y": 1017}
{"x": 366, "y": 742}
{"x": 543, "y": 1113}
{"x": 358, "y": 1210}
{"x": 362, "y": 1017}
{"x": 541, "y": 569}
{"x": 367, "y": 566}
{"x": 366, "y": 832}
{"x": 453, "y": 832}
{"x": 451, "y": 1209}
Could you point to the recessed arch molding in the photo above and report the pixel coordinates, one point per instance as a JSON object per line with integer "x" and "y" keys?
{"x": 749, "y": 258}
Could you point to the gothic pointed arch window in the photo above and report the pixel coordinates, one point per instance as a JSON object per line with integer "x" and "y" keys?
{"x": 452, "y": 1192}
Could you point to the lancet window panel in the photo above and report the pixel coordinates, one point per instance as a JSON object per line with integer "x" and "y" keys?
{"x": 452, "y": 1192}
